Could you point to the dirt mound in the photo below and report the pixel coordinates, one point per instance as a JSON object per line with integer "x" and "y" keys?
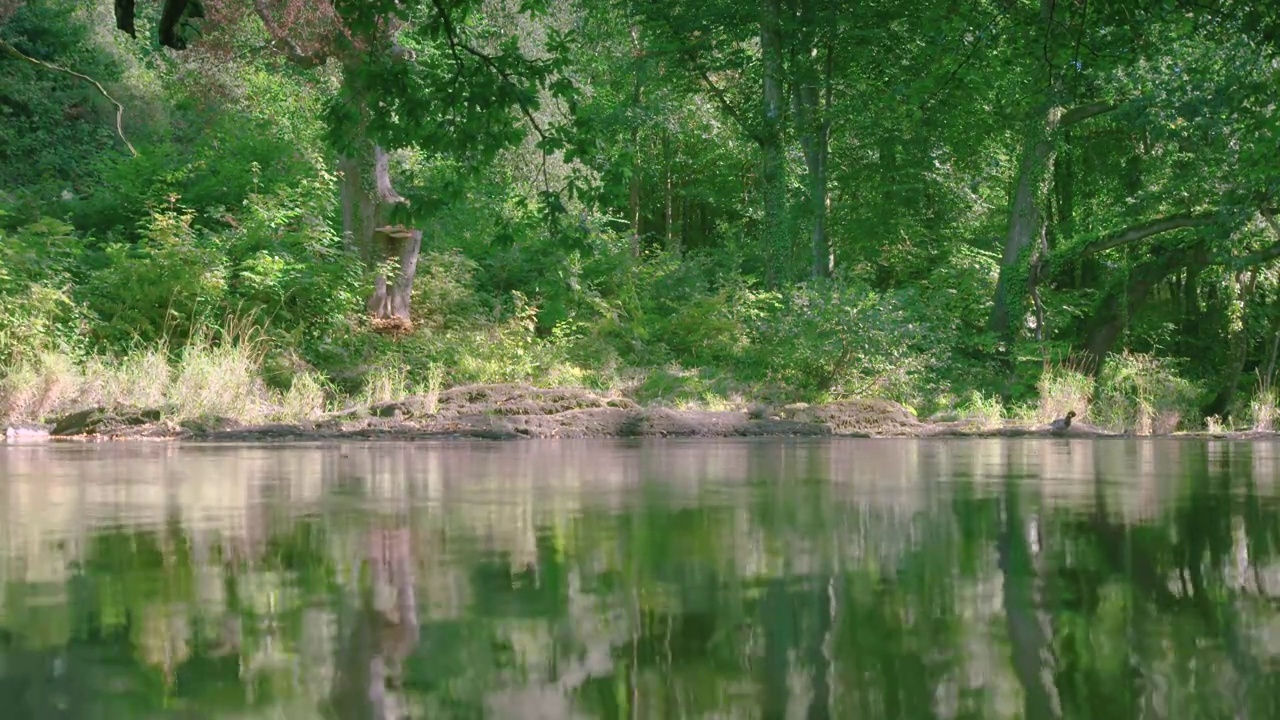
{"x": 502, "y": 399}
{"x": 522, "y": 400}
{"x": 873, "y": 418}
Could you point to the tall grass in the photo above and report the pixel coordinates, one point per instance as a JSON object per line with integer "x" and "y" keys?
{"x": 985, "y": 411}
{"x": 215, "y": 374}
{"x": 1064, "y": 388}
{"x": 1143, "y": 394}
{"x": 1264, "y": 408}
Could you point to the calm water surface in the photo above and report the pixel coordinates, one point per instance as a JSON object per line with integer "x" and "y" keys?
{"x": 752, "y": 579}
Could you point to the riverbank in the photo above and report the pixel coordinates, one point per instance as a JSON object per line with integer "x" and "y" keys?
{"x": 512, "y": 412}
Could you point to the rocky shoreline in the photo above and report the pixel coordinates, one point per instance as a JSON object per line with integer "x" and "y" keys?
{"x": 510, "y": 412}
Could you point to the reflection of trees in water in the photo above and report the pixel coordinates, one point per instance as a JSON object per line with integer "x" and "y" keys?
{"x": 984, "y": 596}
{"x": 383, "y": 631}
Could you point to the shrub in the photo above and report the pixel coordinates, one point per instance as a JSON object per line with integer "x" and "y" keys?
{"x": 168, "y": 285}
{"x": 843, "y": 341}
{"x": 1062, "y": 389}
{"x": 1143, "y": 394}
{"x": 38, "y": 263}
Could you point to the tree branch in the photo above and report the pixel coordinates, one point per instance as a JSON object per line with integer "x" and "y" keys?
{"x": 382, "y": 178}
{"x": 1266, "y": 254}
{"x": 1084, "y": 112}
{"x": 1269, "y": 217}
{"x": 456, "y": 44}
{"x": 1138, "y": 233}
{"x": 282, "y": 42}
{"x": 721, "y": 99}
{"x": 119, "y": 108}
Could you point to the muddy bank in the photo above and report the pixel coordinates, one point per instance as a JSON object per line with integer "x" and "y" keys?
{"x": 517, "y": 411}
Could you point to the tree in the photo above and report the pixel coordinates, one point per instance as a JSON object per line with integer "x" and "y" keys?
{"x": 413, "y": 75}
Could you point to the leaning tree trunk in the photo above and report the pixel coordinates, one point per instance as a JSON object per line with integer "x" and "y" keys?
{"x": 1113, "y": 311}
{"x": 1024, "y": 218}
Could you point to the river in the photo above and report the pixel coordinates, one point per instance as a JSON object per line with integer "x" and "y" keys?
{"x": 832, "y": 578}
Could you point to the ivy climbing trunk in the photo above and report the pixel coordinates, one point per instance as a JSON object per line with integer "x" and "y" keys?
{"x": 1025, "y": 218}
{"x": 636, "y": 98}
{"x": 1246, "y": 282}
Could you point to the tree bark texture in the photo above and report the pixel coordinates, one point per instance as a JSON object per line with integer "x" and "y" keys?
{"x": 1024, "y": 216}
{"x": 769, "y": 138}
{"x": 367, "y": 198}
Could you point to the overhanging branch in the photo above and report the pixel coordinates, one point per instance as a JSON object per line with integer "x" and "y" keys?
{"x": 455, "y": 44}
{"x": 1269, "y": 217}
{"x": 1084, "y": 112}
{"x": 1138, "y": 233}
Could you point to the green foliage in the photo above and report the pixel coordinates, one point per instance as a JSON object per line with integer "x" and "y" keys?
{"x": 597, "y": 201}
{"x": 845, "y": 341}
{"x": 53, "y": 126}
{"x": 1144, "y": 395}
{"x": 1065, "y": 388}
{"x": 38, "y": 264}
{"x": 170, "y": 283}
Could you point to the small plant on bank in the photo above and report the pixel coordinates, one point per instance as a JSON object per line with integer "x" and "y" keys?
{"x": 306, "y": 399}
{"x": 1264, "y": 408}
{"x": 35, "y": 387}
{"x": 220, "y": 379}
{"x": 1143, "y": 394}
{"x": 1063, "y": 388}
{"x": 985, "y": 411}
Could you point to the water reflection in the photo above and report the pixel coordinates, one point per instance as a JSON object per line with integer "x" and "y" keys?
{"x": 771, "y": 579}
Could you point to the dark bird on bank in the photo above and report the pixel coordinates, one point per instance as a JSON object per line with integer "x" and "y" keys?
{"x": 1063, "y": 423}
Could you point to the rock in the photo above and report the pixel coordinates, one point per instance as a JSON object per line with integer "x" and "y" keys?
{"x": 26, "y": 434}
{"x": 103, "y": 421}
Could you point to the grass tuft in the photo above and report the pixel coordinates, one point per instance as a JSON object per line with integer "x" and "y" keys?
{"x": 306, "y": 399}
{"x": 986, "y": 412}
{"x": 1264, "y": 408}
{"x": 1063, "y": 388}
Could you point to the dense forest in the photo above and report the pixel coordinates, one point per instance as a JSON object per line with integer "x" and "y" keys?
{"x": 986, "y": 208}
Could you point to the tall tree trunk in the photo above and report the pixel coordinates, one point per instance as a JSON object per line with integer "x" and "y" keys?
{"x": 367, "y": 193}
{"x": 637, "y": 84}
{"x": 1238, "y": 344}
{"x": 770, "y": 139}
{"x": 1024, "y": 217}
{"x": 812, "y": 106}
{"x": 668, "y": 192}
{"x": 374, "y": 198}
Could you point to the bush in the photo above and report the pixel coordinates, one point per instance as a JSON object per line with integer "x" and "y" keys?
{"x": 38, "y": 263}
{"x": 844, "y": 341}
{"x": 1063, "y": 389}
{"x": 1143, "y": 394}
{"x": 168, "y": 285}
